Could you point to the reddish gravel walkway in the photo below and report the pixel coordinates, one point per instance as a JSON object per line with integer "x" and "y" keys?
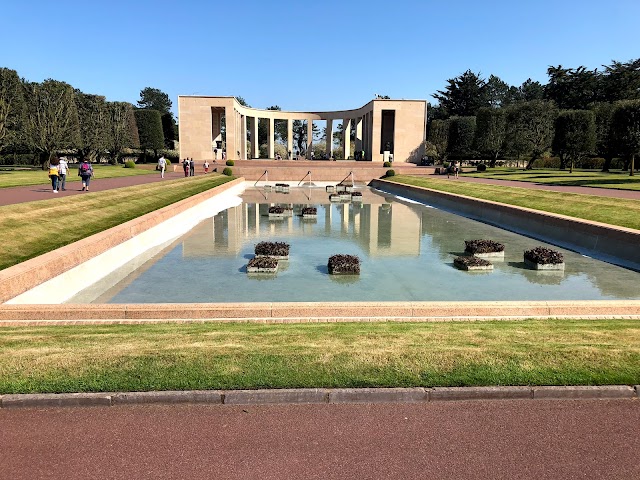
{"x": 602, "y": 192}
{"x": 514, "y": 440}
{"x": 9, "y": 196}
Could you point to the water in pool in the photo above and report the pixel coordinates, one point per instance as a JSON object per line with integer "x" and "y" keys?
{"x": 406, "y": 251}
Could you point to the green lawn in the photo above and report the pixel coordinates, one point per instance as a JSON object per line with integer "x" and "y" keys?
{"x": 16, "y": 178}
{"x": 614, "y": 211}
{"x": 237, "y": 356}
{"x": 35, "y": 228}
{"x": 580, "y": 178}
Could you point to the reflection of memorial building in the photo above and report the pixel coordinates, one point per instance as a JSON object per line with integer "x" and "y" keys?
{"x": 379, "y": 228}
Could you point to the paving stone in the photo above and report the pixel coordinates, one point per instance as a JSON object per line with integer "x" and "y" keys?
{"x": 563, "y": 392}
{"x": 480, "y": 393}
{"x": 258, "y": 397}
{"x": 194, "y": 396}
{"x": 378, "y": 395}
{"x": 37, "y": 400}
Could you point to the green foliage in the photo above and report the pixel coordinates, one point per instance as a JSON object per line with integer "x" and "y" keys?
{"x": 149, "y": 124}
{"x": 12, "y": 108}
{"x": 575, "y": 134}
{"x": 464, "y": 95}
{"x": 52, "y": 118}
{"x": 93, "y": 116}
{"x": 490, "y": 131}
{"x": 124, "y": 131}
{"x": 604, "y": 139}
{"x": 572, "y": 88}
{"x": 386, "y": 164}
{"x": 461, "y": 134}
{"x": 626, "y": 127}
{"x": 390, "y": 173}
{"x": 154, "y": 99}
{"x": 430, "y": 150}
{"x": 230, "y": 163}
{"x": 439, "y": 136}
{"x": 169, "y": 129}
{"x": 227, "y": 171}
{"x": 482, "y": 167}
{"x": 530, "y": 128}
{"x": 129, "y": 164}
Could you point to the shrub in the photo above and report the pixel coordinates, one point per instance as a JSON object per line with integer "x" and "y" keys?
{"x": 227, "y": 171}
{"x": 481, "y": 167}
{"x": 543, "y": 256}
{"x": 230, "y": 163}
{"x": 309, "y": 211}
{"x": 386, "y": 164}
{"x": 344, "y": 264}
{"x": 272, "y": 249}
{"x": 263, "y": 262}
{"x": 129, "y": 164}
{"x": 168, "y": 162}
{"x": 276, "y": 210}
{"x": 390, "y": 173}
{"x": 470, "y": 262}
{"x": 482, "y": 246}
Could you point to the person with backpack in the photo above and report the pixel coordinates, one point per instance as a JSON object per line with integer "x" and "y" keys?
{"x": 63, "y": 169}
{"x": 85, "y": 172}
{"x": 53, "y": 173}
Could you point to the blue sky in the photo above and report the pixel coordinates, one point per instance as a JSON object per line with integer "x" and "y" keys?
{"x": 304, "y": 55}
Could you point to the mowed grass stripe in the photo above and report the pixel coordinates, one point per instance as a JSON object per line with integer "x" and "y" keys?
{"x": 16, "y": 178}
{"x": 614, "y": 211}
{"x": 33, "y": 228}
{"x": 249, "y": 356}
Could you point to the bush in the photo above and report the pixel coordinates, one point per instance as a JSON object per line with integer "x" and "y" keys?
{"x": 482, "y": 246}
{"x": 272, "y": 249}
{"x": 543, "y": 256}
{"x": 390, "y": 173}
{"x": 231, "y": 163}
{"x": 227, "y": 171}
{"x": 481, "y": 167}
{"x": 129, "y": 164}
{"x": 344, "y": 264}
{"x": 386, "y": 164}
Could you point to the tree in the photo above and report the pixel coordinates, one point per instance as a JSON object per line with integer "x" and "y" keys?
{"x": 169, "y": 129}
{"x": 530, "y": 128}
{"x": 621, "y": 81}
{"x": 12, "y": 108}
{"x": 573, "y": 88}
{"x": 52, "y": 118}
{"x": 263, "y": 127}
{"x": 149, "y": 124}
{"x": 491, "y": 126}
{"x": 464, "y": 95}
{"x": 530, "y": 90}
{"x": 124, "y": 131}
{"x": 604, "y": 142}
{"x": 626, "y": 127}
{"x": 461, "y": 133}
{"x": 575, "y": 135}
{"x": 94, "y": 125}
{"x": 154, "y": 99}
{"x": 497, "y": 91}
{"x": 439, "y": 136}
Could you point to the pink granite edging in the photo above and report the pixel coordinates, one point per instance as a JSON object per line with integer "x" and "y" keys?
{"x": 322, "y": 396}
{"x": 27, "y": 275}
{"x": 313, "y": 312}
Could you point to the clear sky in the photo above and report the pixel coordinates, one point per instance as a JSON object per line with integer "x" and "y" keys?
{"x": 305, "y": 55}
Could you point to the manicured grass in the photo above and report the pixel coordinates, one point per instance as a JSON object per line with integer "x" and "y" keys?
{"x": 34, "y": 228}
{"x": 614, "y": 211}
{"x": 580, "y": 178}
{"x": 232, "y": 356}
{"x": 16, "y": 178}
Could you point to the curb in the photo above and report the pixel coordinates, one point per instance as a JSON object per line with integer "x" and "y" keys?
{"x": 320, "y": 396}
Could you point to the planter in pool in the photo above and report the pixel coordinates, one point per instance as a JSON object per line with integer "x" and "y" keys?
{"x": 472, "y": 264}
{"x": 262, "y": 265}
{"x": 344, "y": 265}
{"x": 541, "y": 258}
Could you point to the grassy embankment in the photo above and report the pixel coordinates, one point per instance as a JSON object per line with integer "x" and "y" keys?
{"x": 614, "y": 211}
{"x": 33, "y": 228}
{"x": 17, "y": 178}
{"x": 580, "y": 178}
{"x": 231, "y": 356}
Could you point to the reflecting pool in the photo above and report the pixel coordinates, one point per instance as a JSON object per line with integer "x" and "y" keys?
{"x": 406, "y": 251}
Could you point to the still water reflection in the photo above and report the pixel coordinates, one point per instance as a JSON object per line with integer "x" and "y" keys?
{"x": 406, "y": 250}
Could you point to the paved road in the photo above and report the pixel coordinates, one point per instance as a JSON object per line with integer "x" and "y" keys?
{"x": 601, "y": 192}
{"x": 524, "y": 439}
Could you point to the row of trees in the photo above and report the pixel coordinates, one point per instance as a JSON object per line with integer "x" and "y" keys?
{"x": 50, "y": 117}
{"x": 533, "y": 128}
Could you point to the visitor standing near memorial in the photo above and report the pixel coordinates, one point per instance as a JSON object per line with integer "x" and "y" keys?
{"x": 162, "y": 164}
{"x": 53, "y": 173}
{"x": 63, "y": 169}
{"x": 206, "y": 166}
{"x": 185, "y": 167}
{"x": 85, "y": 172}
{"x": 192, "y": 168}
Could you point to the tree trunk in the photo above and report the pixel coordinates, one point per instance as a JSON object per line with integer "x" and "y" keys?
{"x": 607, "y": 163}
{"x": 531, "y": 160}
{"x": 626, "y": 162}
{"x": 492, "y": 162}
{"x": 571, "y": 165}
{"x": 633, "y": 158}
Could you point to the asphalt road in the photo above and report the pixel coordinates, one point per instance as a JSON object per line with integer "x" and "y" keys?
{"x": 568, "y": 439}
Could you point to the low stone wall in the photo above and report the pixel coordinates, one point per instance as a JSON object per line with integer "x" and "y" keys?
{"x": 617, "y": 245}
{"x": 27, "y": 275}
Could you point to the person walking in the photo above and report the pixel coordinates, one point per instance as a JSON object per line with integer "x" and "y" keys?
{"x": 53, "y": 173}
{"x": 185, "y": 167}
{"x": 192, "y": 168}
{"x": 85, "y": 172}
{"x": 456, "y": 169}
{"x": 206, "y": 166}
{"x": 162, "y": 164}
{"x": 63, "y": 169}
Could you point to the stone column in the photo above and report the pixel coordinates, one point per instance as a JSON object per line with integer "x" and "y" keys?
{"x": 230, "y": 123}
{"x": 270, "y": 132}
{"x": 376, "y": 139}
{"x": 253, "y": 128}
{"x": 329, "y": 132}
{"x": 346, "y": 123}
{"x": 216, "y": 135}
{"x": 243, "y": 139}
{"x": 309, "y": 138}
{"x": 359, "y": 134}
{"x": 290, "y": 138}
